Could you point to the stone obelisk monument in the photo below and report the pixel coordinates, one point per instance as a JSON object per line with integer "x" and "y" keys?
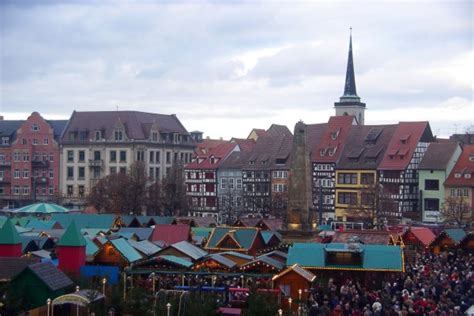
{"x": 298, "y": 220}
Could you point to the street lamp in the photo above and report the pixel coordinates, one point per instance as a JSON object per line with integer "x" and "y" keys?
{"x": 280, "y": 312}
{"x": 77, "y": 305}
{"x": 48, "y": 303}
{"x": 104, "y": 281}
{"x": 300, "y": 291}
{"x": 168, "y": 309}
{"x": 290, "y": 300}
{"x": 153, "y": 282}
{"x": 242, "y": 278}
{"x": 213, "y": 280}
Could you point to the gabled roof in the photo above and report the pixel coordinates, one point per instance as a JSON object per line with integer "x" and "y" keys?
{"x": 137, "y": 124}
{"x": 456, "y": 234}
{"x": 221, "y": 260}
{"x": 146, "y": 247}
{"x": 214, "y": 157}
{"x": 374, "y": 257}
{"x": 297, "y": 269}
{"x": 243, "y": 236}
{"x": 438, "y": 156}
{"x": 126, "y": 250}
{"x": 91, "y": 247}
{"x": 51, "y": 276}
{"x": 103, "y": 221}
{"x": 72, "y": 237}
{"x": 365, "y": 146}
{"x": 142, "y": 232}
{"x": 189, "y": 250}
{"x": 8, "y": 234}
{"x": 170, "y": 234}
{"x": 264, "y": 260}
{"x": 333, "y": 140}
{"x": 402, "y": 146}
{"x": 423, "y": 234}
{"x": 267, "y": 235}
{"x": 10, "y": 266}
{"x": 175, "y": 260}
{"x": 244, "y": 144}
{"x": 463, "y": 171}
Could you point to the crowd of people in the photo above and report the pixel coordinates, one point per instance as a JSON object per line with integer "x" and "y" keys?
{"x": 432, "y": 285}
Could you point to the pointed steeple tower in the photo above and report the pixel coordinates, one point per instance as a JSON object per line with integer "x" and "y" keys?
{"x": 349, "y": 103}
{"x": 10, "y": 241}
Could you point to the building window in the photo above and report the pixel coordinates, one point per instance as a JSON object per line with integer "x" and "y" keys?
{"x": 98, "y": 135}
{"x": 347, "y": 198}
{"x": 151, "y": 156}
{"x": 158, "y": 156}
{"x": 16, "y": 190}
{"x": 82, "y": 155}
{"x": 239, "y": 184}
{"x": 224, "y": 183}
{"x": 168, "y": 157}
{"x": 26, "y": 157}
{"x": 431, "y": 204}
{"x": 70, "y": 172}
{"x": 35, "y": 127}
{"x": 113, "y": 156}
{"x": 367, "y": 178}
{"x": 96, "y": 173}
{"x": 123, "y": 170}
{"x": 231, "y": 183}
{"x": 45, "y": 141}
{"x": 24, "y": 141}
{"x": 140, "y": 155}
{"x": 70, "y": 156}
{"x": 81, "y": 191}
{"x": 157, "y": 173}
{"x": 51, "y": 190}
{"x": 26, "y": 190}
{"x": 51, "y": 174}
{"x": 97, "y": 155}
{"x": 70, "y": 190}
{"x": 347, "y": 178}
{"x": 81, "y": 173}
{"x": 26, "y": 173}
{"x": 432, "y": 185}
{"x": 16, "y": 174}
{"x": 113, "y": 170}
{"x": 154, "y": 136}
{"x": 457, "y": 175}
{"x": 35, "y": 141}
{"x": 123, "y": 156}
{"x": 119, "y": 135}
{"x": 51, "y": 157}
{"x": 5, "y": 141}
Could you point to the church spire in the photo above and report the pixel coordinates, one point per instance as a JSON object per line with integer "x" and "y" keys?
{"x": 349, "y": 103}
{"x": 350, "y": 86}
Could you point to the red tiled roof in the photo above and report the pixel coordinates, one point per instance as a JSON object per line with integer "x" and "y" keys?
{"x": 170, "y": 234}
{"x": 423, "y": 234}
{"x": 401, "y": 147}
{"x": 244, "y": 144}
{"x": 207, "y": 144}
{"x": 338, "y": 126}
{"x": 464, "y": 166}
{"x": 213, "y": 157}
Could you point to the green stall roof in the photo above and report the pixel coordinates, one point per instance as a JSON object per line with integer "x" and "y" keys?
{"x": 72, "y": 237}
{"x": 127, "y": 251}
{"x": 9, "y": 234}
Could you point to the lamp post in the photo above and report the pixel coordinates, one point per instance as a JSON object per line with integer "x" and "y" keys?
{"x": 300, "y": 292}
{"x": 124, "y": 286}
{"x": 104, "y": 282}
{"x": 214, "y": 280}
{"x": 168, "y": 309}
{"x": 153, "y": 282}
{"x": 280, "y": 312}
{"x": 290, "y": 300}
{"x": 242, "y": 279}
{"x": 77, "y": 306}
{"x": 48, "y": 304}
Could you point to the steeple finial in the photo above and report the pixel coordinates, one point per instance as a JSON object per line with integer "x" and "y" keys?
{"x": 350, "y": 85}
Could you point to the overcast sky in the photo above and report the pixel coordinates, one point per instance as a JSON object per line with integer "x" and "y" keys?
{"x": 226, "y": 68}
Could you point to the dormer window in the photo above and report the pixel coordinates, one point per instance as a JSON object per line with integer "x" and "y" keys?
{"x": 251, "y": 162}
{"x": 404, "y": 138}
{"x": 322, "y": 152}
{"x": 98, "y": 135}
{"x": 118, "y": 136}
{"x": 457, "y": 175}
{"x": 154, "y": 136}
{"x": 471, "y": 158}
{"x": 335, "y": 134}
{"x": 331, "y": 152}
{"x": 35, "y": 128}
{"x": 467, "y": 176}
{"x": 5, "y": 141}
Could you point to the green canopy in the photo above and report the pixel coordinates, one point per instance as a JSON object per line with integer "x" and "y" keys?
{"x": 42, "y": 208}
{"x": 8, "y": 234}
